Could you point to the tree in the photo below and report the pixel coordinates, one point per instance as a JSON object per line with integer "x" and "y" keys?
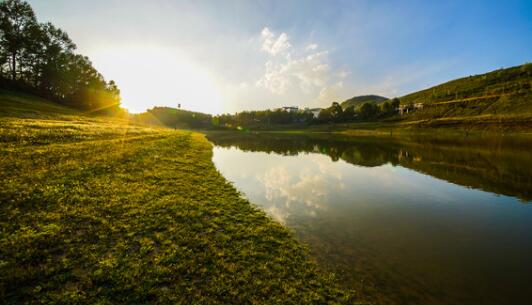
{"x": 387, "y": 107}
{"x": 395, "y": 103}
{"x": 55, "y": 46}
{"x": 336, "y": 111}
{"x": 349, "y": 113}
{"x": 367, "y": 110}
{"x": 17, "y": 21}
{"x": 325, "y": 115}
{"x": 40, "y": 59}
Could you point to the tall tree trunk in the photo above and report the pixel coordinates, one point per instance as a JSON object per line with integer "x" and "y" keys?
{"x": 14, "y": 65}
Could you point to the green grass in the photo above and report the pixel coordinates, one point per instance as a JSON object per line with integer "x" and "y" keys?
{"x": 97, "y": 211}
{"x": 21, "y": 105}
{"x": 357, "y": 101}
{"x": 513, "y": 80}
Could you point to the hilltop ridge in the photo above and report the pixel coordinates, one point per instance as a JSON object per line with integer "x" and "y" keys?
{"x": 357, "y": 101}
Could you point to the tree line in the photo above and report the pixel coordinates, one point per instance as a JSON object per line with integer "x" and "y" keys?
{"x": 174, "y": 118}
{"x": 333, "y": 114}
{"x": 40, "y": 58}
{"x": 261, "y": 118}
{"x": 367, "y": 111}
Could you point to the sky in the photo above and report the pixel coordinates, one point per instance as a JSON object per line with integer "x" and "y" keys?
{"x": 226, "y": 56}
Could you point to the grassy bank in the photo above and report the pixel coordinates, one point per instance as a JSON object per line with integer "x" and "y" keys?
{"x": 494, "y": 124}
{"x": 96, "y": 211}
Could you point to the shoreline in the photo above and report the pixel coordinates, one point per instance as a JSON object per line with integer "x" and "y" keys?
{"x": 101, "y": 211}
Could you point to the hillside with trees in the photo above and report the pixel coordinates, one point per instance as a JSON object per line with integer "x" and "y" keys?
{"x": 357, "y": 101}
{"x": 40, "y": 58}
{"x": 500, "y": 98}
{"x": 503, "y": 92}
{"x": 174, "y": 118}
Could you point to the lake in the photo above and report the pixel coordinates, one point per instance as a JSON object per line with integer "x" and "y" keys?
{"x": 401, "y": 220}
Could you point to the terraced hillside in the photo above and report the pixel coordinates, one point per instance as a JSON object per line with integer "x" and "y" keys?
{"x": 502, "y": 95}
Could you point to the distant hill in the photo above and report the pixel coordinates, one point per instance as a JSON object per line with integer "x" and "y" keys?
{"x": 499, "y": 82}
{"x": 174, "y": 118}
{"x": 501, "y": 92}
{"x": 359, "y": 100}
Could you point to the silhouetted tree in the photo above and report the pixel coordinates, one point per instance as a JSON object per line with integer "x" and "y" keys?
{"x": 41, "y": 57}
{"x": 336, "y": 111}
{"x": 17, "y": 22}
{"x": 325, "y": 115}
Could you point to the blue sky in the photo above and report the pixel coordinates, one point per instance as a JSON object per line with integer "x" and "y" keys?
{"x": 227, "y": 56}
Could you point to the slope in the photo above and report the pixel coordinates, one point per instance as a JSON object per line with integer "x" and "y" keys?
{"x": 98, "y": 211}
{"x": 359, "y": 100}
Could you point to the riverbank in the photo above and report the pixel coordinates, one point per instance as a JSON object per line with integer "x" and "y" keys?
{"x": 96, "y": 210}
{"x": 500, "y": 124}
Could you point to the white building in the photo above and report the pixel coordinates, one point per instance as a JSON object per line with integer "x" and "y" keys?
{"x": 290, "y": 108}
{"x": 315, "y": 112}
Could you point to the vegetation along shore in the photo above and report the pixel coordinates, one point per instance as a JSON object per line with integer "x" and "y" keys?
{"x": 99, "y": 211}
{"x": 100, "y": 205}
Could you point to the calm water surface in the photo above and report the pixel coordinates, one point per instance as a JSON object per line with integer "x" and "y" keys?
{"x": 409, "y": 220}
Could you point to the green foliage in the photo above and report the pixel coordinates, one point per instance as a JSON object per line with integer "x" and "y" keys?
{"x": 98, "y": 211}
{"x": 497, "y": 100}
{"x": 174, "y": 118}
{"x": 264, "y": 118}
{"x": 40, "y": 59}
{"x": 325, "y": 115}
{"x": 495, "y": 83}
{"x": 357, "y": 101}
{"x": 387, "y": 107}
{"x": 395, "y": 102}
{"x": 367, "y": 110}
{"x": 336, "y": 111}
{"x": 349, "y": 113}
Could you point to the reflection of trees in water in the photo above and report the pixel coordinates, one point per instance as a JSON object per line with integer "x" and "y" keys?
{"x": 495, "y": 164}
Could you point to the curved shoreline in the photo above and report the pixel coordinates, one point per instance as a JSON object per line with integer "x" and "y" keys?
{"x": 143, "y": 219}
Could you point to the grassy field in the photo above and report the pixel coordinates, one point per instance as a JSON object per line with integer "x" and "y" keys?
{"x": 97, "y": 211}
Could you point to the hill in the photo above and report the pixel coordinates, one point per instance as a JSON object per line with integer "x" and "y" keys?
{"x": 174, "y": 118}
{"x": 499, "y": 101}
{"x": 21, "y": 105}
{"x": 504, "y": 93}
{"x": 359, "y": 100}
{"x": 96, "y": 210}
{"x": 507, "y": 81}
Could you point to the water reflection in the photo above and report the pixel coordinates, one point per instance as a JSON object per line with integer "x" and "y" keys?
{"x": 397, "y": 218}
{"x": 495, "y": 164}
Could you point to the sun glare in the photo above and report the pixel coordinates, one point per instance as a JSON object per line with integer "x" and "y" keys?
{"x": 158, "y": 76}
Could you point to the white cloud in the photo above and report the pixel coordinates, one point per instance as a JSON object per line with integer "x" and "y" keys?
{"x": 276, "y": 78}
{"x": 307, "y": 73}
{"x": 329, "y": 94}
{"x": 311, "y": 47}
{"x": 303, "y": 69}
{"x": 273, "y": 45}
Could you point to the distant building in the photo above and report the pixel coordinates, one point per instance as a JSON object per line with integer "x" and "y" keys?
{"x": 407, "y": 108}
{"x": 403, "y": 109}
{"x": 290, "y": 108}
{"x": 315, "y": 112}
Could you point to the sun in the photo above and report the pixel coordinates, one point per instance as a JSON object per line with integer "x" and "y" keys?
{"x": 158, "y": 76}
